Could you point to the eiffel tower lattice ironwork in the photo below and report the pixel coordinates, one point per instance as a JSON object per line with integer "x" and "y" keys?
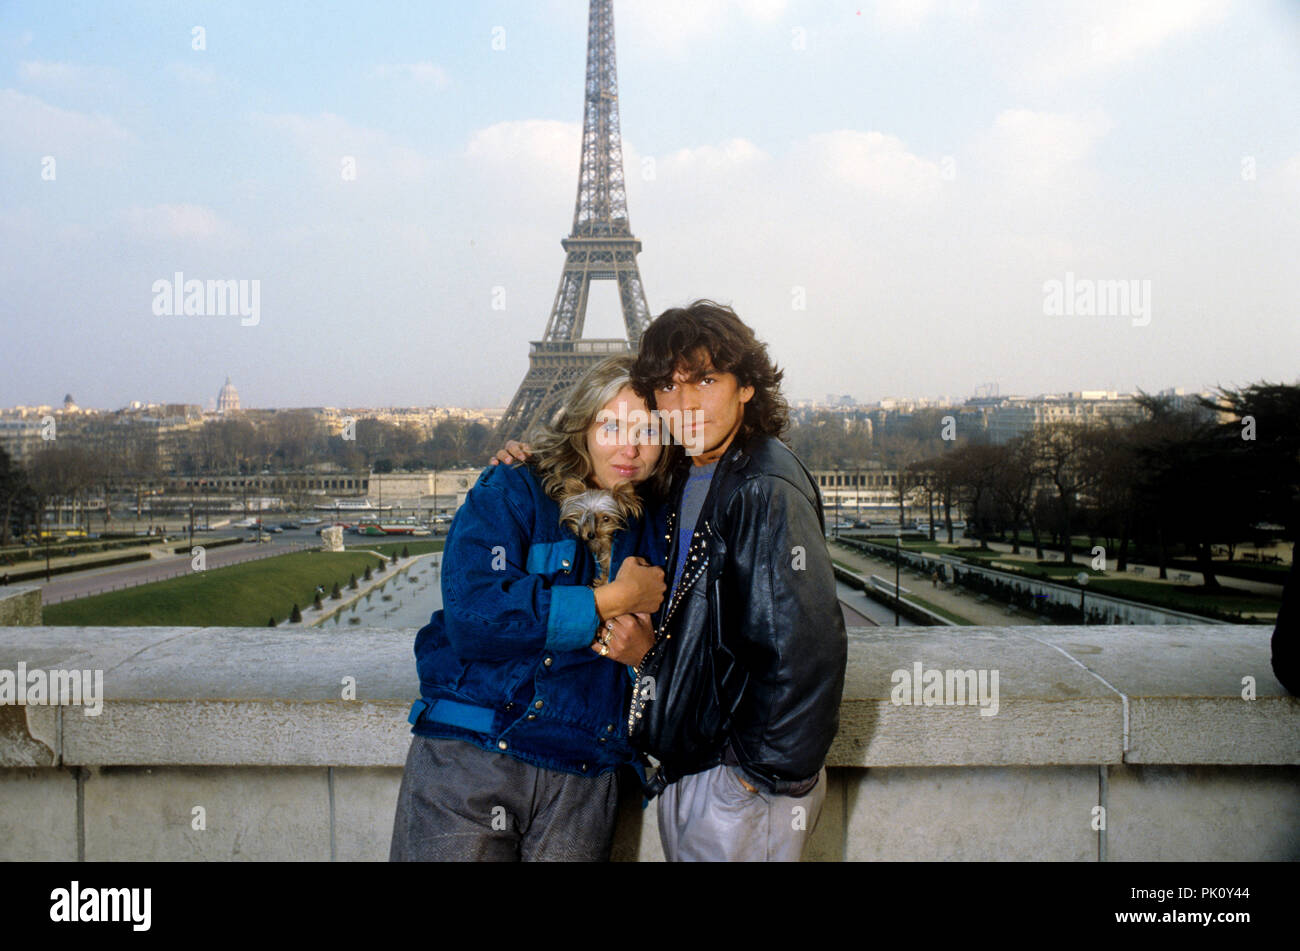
{"x": 601, "y": 247}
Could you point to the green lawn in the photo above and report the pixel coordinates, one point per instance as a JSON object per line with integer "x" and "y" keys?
{"x": 1189, "y": 598}
{"x": 942, "y": 612}
{"x": 245, "y": 595}
{"x": 1192, "y": 599}
{"x": 421, "y": 547}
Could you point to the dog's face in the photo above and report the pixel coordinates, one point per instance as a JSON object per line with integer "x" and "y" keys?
{"x": 593, "y": 515}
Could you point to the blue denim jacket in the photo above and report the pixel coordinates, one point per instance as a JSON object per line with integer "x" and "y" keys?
{"x": 507, "y": 663}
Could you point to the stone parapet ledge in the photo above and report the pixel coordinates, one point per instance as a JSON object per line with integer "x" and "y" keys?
{"x": 272, "y": 697}
{"x": 20, "y": 604}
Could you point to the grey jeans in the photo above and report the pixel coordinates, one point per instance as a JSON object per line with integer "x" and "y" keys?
{"x": 459, "y": 803}
{"x": 711, "y": 817}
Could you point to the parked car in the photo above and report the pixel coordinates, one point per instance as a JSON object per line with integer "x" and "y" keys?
{"x": 289, "y": 525}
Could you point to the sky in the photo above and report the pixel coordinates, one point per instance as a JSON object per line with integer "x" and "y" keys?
{"x": 895, "y": 195}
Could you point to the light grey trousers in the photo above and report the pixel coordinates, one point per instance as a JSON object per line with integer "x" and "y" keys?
{"x": 711, "y": 817}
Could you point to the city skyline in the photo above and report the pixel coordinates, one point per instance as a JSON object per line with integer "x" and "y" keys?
{"x": 827, "y": 400}
{"x": 902, "y": 198}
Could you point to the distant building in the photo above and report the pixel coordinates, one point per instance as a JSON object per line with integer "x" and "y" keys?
{"x": 1012, "y": 416}
{"x": 21, "y": 438}
{"x": 228, "y": 398}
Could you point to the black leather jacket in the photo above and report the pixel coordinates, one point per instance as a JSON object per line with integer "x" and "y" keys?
{"x": 763, "y": 574}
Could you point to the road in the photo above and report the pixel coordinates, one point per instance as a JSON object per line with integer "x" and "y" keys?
{"x": 96, "y": 580}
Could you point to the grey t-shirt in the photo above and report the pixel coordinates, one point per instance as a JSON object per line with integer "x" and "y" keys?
{"x": 697, "y": 488}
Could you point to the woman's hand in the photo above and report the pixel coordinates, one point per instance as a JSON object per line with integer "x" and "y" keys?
{"x": 625, "y": 638}
{"x": 638, "y": 589}
{"x": 514, "y": 452}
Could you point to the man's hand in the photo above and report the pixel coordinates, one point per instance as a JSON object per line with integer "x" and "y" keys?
{"x": 512, "y": 453}
{"x": 626, "y": 638}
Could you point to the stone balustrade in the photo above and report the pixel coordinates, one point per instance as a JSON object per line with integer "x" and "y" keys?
{"x": 1119, "y": 743}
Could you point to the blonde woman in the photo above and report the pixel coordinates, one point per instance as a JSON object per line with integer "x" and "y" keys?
{"x": 521, "y": 723}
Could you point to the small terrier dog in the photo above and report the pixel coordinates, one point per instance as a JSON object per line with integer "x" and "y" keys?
{"x": 594, "y": 515}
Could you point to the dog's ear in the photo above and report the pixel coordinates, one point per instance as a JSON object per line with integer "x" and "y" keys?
{"x": 627, "y": 500}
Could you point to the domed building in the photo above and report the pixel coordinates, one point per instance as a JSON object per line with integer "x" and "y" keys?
{"x": 228, "y": 398}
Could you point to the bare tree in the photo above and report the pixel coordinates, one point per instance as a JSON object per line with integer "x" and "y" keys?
{"x": 1065, "y": 457}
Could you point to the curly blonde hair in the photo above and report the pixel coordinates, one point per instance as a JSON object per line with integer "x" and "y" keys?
{"x": 560, "y": 447}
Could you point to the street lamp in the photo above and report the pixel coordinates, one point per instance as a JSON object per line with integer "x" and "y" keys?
{"x": 837, "y": 501}
{"x": 1082, "y": 578}
{"x": 857, "y": 493}
{"x": 898, "y": 558}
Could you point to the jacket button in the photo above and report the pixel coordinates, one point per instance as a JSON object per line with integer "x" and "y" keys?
{"x": 609, "y": 728}
{"x": 565, "y": 563}
{"x": 538, "y": 705}
{"x": 583, "y": 767}
{"x": 532, "y": 716}
{"x": 501, "y": 744}
{"x": 546, "y": 662}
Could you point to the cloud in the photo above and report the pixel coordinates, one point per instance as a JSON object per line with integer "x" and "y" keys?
{"x": 673, "y": 25}
{"x": 1040, "y": 150}
{"x": 37, "y": 71}
{"x": 873, "y": 162}
{"x": 1093, "y": 36}
{"x": 194, "y": 75}
{"x": 326, "y": 139}
{"x": 728, "y": 157}
{"x": 186, "y": 222}
{"x": 32, "y": 125}
{"x": 908, "y": 15}
{"x": 1286, "y": 178}
{"x": 67, "y": 77}
{"x": 545, "y": 145}
{"x": 425, "y": 73}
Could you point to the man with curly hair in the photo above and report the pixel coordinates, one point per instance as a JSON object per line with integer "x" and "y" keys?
{"x": 738, "y": 692}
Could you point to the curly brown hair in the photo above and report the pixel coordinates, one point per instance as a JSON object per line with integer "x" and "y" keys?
{"x": 688, "y": 338}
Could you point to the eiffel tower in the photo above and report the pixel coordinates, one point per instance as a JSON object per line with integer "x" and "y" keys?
{"x": 600, "y": 248}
